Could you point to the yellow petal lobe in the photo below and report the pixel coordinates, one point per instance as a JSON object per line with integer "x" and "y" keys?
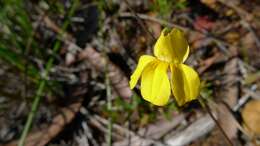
{"x": 172, "y": 46}
{"x": 143, "y": 61}
{"x": 185, "y": 83}
{"x": 155, "y": 85}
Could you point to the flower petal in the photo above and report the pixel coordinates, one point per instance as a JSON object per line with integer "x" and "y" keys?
{"x": 185, "y": 83}
{"x": 172, "y": 46}
{"x": 143, "y": 61}
{"x": 155, "y": 85}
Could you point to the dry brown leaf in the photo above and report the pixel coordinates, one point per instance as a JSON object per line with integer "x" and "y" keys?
{"x": 197, "y": 40}
{"x": 231, "y": 92}
{"x": 209, "y": 2}
{"x": 202, "y": 23}
{"x": 229, "y": 96}
{"x": 227, "y": 121}
{"x": 232, "y": 37}
{"x": 248, "y": 40}
{"x": 155, "y": 27}
{"x": 207, "y": 63}
{"x": 252, "y": 78}
{"x": 251, "y": 117}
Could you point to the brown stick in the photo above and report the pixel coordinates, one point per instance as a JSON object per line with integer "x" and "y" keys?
{"x": 139, "y": 20}
{"x": 42, "y": 137}
{"x": 208, "y": 110}
{"x": 118, "y": 80}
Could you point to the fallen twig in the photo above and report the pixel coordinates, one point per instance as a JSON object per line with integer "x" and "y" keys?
{"x": 195, "y": 130}
{"x": 118, "y": 80}
{"x": 153, "y": 133}
{"x": 41, "y": 138}
{"x": 168, "y": 24}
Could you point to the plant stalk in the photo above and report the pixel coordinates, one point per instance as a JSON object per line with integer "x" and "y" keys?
{"x": 109, "y": 107}
{"x": 208, "y": 110}
{"x": 43, "y": 82}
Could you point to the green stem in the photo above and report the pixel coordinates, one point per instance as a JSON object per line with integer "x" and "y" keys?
{"x": 32, "y": 113}
{"x": 42, "y": 83}
{"x": 109, "y": 107}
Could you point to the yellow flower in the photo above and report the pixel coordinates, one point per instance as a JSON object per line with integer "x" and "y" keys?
{"x": 170, "y": 50}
